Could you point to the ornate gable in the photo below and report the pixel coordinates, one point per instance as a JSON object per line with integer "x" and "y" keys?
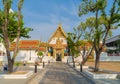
{"x": 58, "y": 33}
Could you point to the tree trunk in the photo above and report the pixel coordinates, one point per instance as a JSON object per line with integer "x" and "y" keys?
{"x": 18, "y": 33}
{"x": 10, "y": 66}
{"x": 10, "y": 62}
{"x": 6, "y": 38}
{"x": 97, "y": 62}
{"x": 86, "y": 58}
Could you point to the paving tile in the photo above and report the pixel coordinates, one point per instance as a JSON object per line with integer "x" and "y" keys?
{"x": 61, "y": 73}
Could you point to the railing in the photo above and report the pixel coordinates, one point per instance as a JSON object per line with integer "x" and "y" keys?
{"x": 109, "y": 57}
{"x": 113, "y": 54}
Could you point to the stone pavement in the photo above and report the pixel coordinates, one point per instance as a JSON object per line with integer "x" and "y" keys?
{"x": 104, "y": 81}
{"x": 19, "y": 81}
{"x": 59, "y": 73}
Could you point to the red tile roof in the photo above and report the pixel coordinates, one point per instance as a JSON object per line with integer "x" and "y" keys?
{"x": 28, "y": 44}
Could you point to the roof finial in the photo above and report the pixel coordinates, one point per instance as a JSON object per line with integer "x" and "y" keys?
{"x": 59, "y": 25}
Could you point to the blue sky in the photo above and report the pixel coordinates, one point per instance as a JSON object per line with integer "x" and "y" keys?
{"x": 45, "y": 15}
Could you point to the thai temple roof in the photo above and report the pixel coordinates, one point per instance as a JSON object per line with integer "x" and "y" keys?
{"x": 30, "y": 44}
{"x": 38, "y": 45}
{"x": 112, "y": 39}
{"x": 58, "y": 32}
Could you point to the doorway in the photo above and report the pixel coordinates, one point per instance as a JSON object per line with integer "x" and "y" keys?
{"x": 58, "y": 57}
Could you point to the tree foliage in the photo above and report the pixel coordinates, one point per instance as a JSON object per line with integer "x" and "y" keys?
{"x": 104, "y": 22}
{"x": 40, "y": 53}
{"x": 72, "y": 41}
{"x": 12, "y": 27}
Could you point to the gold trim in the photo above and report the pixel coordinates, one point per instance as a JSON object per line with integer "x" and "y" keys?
{"x": 58, "y": 29}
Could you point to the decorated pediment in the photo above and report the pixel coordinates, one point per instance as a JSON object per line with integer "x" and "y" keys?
{"x": 59, "y": 33}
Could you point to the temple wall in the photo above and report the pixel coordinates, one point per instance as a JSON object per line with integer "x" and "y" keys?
{"x": 105, "y": 57}
{"x": 23, "y": 55}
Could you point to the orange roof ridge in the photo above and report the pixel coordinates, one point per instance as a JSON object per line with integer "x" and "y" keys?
{"x": 29, "y": 40}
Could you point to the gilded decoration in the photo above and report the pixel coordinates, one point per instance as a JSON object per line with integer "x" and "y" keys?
{"x": 58, "y": 33}
{"x": 57, "y": 42}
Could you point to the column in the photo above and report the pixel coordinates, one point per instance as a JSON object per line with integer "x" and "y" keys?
{"x": 62, "y": 53}
{"x": 54, "y": 53}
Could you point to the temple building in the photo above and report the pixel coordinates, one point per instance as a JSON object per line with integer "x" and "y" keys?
{"x": 113, "y": 46}
{"x": 55, "y": 48}
{"x": 112, "y": 49}
{"x": 58, "y": 44}
{"x": 28, "y": 49}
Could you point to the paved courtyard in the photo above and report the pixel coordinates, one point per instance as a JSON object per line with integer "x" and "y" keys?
{"x": 57, "y": 73}
{"x": 60, "y": 73}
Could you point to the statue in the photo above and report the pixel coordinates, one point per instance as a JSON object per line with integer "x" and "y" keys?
{"x": 58, "y": 42}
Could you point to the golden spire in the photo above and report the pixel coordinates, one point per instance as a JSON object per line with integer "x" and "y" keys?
{"x": 60, "y": 25}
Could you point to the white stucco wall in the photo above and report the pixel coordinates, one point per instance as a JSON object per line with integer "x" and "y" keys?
{"x": 2, "y": 48}
{"x": 53, "y": 41}
{"x": 23, "y": 55}
{"x": 26, "y": 55}
{"x": 104, "y": 57}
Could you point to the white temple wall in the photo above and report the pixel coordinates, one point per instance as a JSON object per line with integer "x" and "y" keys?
{"x": 105, "y": 57}
{"x": 23, "y": 55}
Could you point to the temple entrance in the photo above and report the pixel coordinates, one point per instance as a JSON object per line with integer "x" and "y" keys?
{"x": 58, "y": 57}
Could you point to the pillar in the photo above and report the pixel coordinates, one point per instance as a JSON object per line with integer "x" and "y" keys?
{"x": 54, "y": 53}
{"x": 62, "y": 53}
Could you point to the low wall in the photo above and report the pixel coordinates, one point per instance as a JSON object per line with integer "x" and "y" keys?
{"x": 3, "y": 58}
{"x": 16, "y": 76}
{"x": 101, "y": 76}
{"x": 67, "y": 59}
{"x": 105, "y": 57}
{"x": 18, "y": 58}
{"x": 45, "y": 59}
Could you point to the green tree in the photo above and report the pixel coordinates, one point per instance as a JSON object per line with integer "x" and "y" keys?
{"x": 105, "y": 21}
{"x": 12, "y": 27}
{"x": 78, "y": 40}
{"x": 72, "y": 42}
{"x": 40, "y": 55}
{"x": 85, "y": 39}
{"x": 71, "y": 46}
